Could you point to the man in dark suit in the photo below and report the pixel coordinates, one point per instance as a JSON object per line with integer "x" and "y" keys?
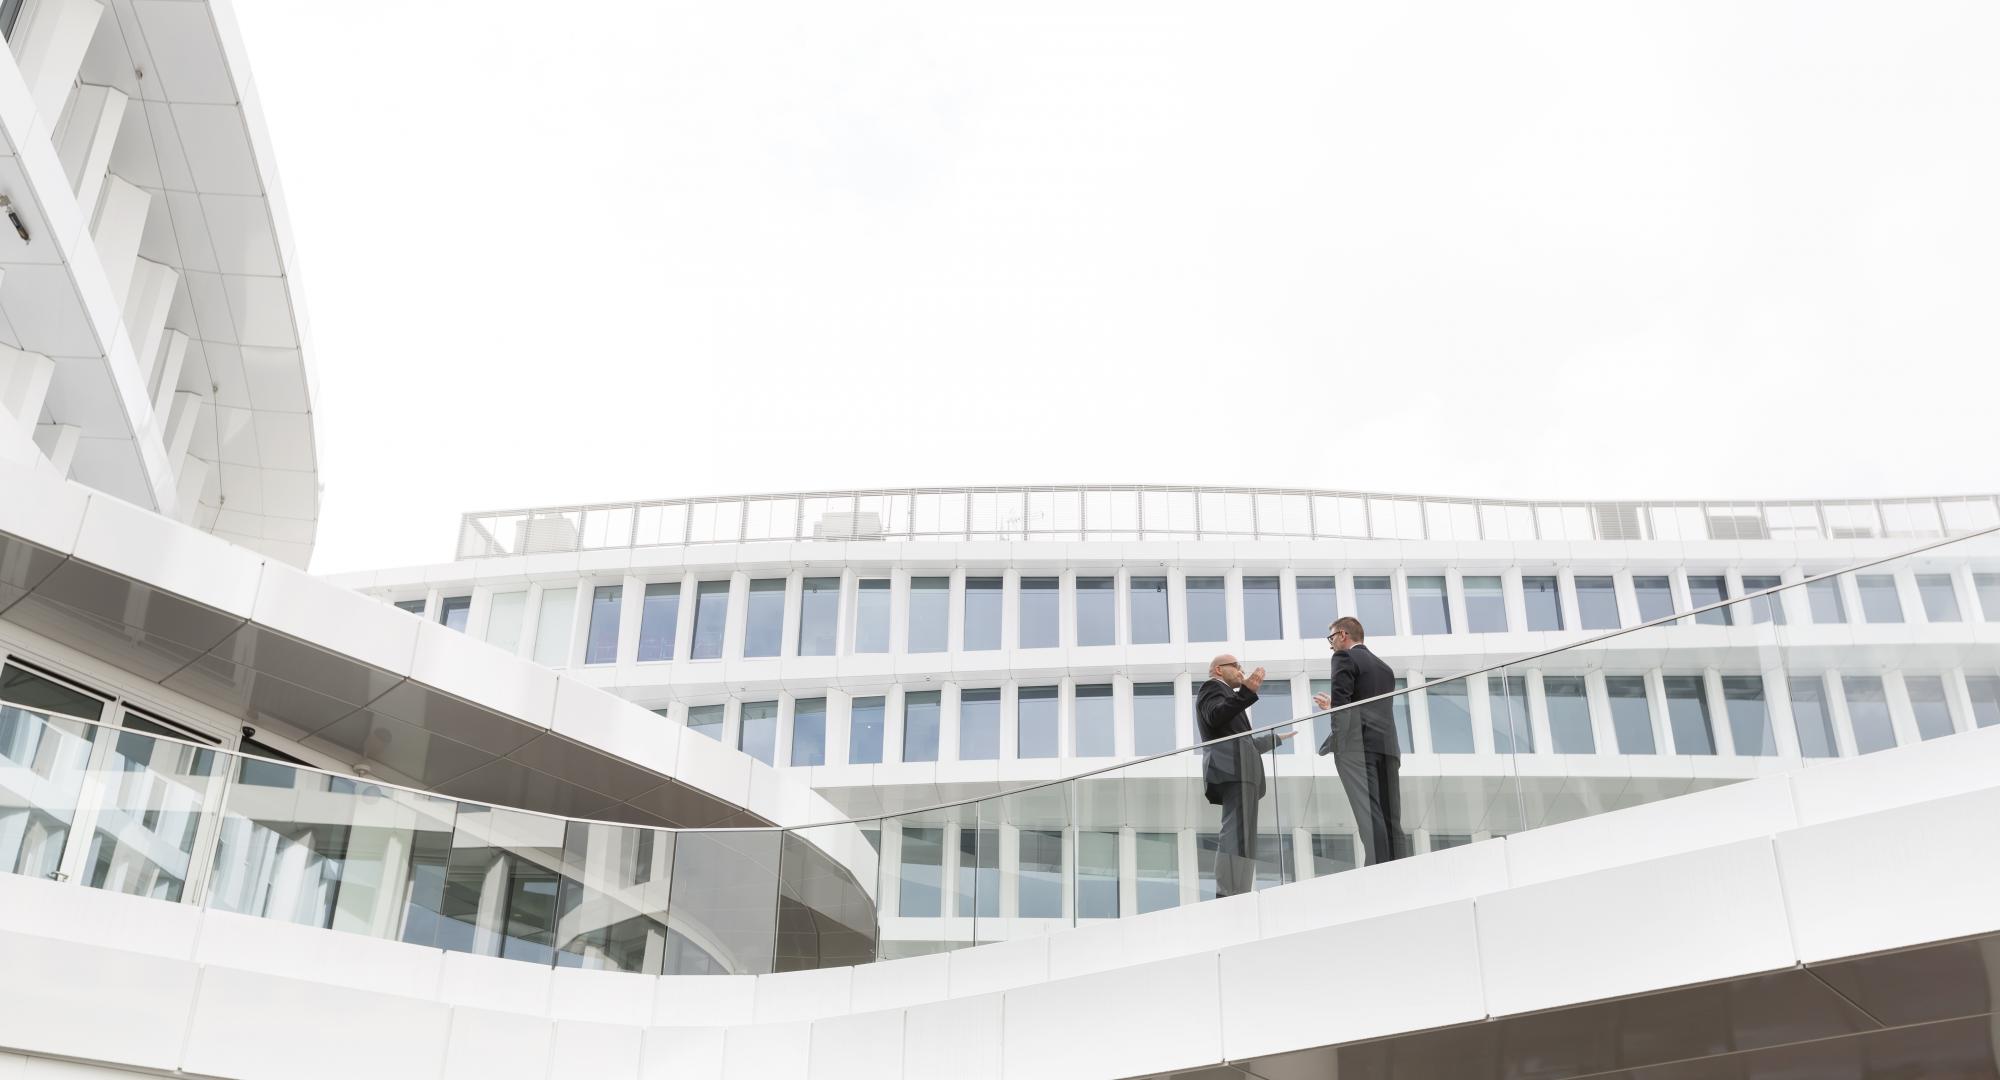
{"x": 1363, "y": 741}
{"x": 1232, "y": 773}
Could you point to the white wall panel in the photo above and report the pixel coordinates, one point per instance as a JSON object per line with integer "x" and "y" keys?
{"x": 766, "y": 1051}
{"x": 333, "y": 958}
{"x": 1136, "y": 1020}
{"x": 613, "y": 997}
{"x": 959, "y": 1038}
{"x": 376, "y": 1035}
{"x": 74, "y": 1000}
{"x": 1654, "y": 830}
{"x": 804, "y": 995}
{"x": 895, "y": 984}
{"x": 492, "y": 984}
{"x": 1368, "y": 891}
{"x": 585, "y": 1051}
{"x": 704, "y": 1000}
{"x": 674, "y": 1053}
{"x": 867, "y": 1046}
{"x": 498, "y": 1046}
{"x": 95, "y": 917}
{"x": 999, "y": 966}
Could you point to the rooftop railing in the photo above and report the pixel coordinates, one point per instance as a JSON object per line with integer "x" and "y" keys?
{"x": 1164, "y": 513}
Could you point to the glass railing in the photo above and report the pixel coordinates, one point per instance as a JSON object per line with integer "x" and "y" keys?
{"x": 1713, "y": 682}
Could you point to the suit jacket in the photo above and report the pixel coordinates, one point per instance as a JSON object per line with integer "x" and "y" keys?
{"x": 1358, "y": 675}
{"x": 1220, "y": 711}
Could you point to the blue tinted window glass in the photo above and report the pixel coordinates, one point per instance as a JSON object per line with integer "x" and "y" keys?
{"x": 1041, "y": 612}
{"x": 982, "y": 613}
{"x": 1154, "y": 727}
{"x": 1096, "y": 875}
{"x": 414, "y": 607}
{"x": 1879, "y": 602}
{"x": 809, "y": 731}
{"x": 758, "y": 734}
{"x": 706, "y": 719}
{"x": 1322, "y": 724}
{"x": 1569, "y": 715}
{"x": 601, "y": 644}
{"x": 930, "y": 614}
{"x": 1451, "y": 718}
{"x": 1400, "y": 707}
{"x": 453, "y": 611}
{"x": 1041, "y": 877}
{"x": 1939, "y": 597}
{"x": 979, "y": 725}
{"x": 1263, "y": 620}
{"x": 1709, "y": 589}
{"x": 1814, "y": 721}
{"x": 819, "y": 616}
{"x": 1274, "y": 706}
{"x": 1985, "y": 693}
{"x": 1149, "y": 611}
{"x": 659, "y": 617}
{"x": 1319, "y": 605}
{"x": 1543, "y": 598}
{"x": 864, "y": 730}
{"x": 764, "y": 630}
{"x": 1631, "y": 713}
{"x": 1375, "y": 606}
{"x": 1429, "y": 612}
{"x": 1207, "y": 618}
{"x": 1764, "y": 609}
{"x": 920, "y": 726}
{"x": 1824, "y": 596}
{"x": 1655, "y": 596}
{"x": 871, "y": 616}
{"x": 1868, "y": 707}
{"x": 1485, "y": 605}
{"x": 1927, "y": 703}
{"x": 1037, "y": 722}
{"x": 1094, "y": 736}
{"x": 1749, "y": 720}
{"x": 978, "y": 873}
{"x": 1159, "y": 864}
{"x": 1597, "y": 602}
{"x": 1687, "y": 715}
{"x": 921, "y": 891}
{"x": 711, "y": 614}
{"x": 1988, "y": 588}
{"x": 1332, "y": 853}
{"x": 1507, "y": 700}
{"x": 1096, "y": 611}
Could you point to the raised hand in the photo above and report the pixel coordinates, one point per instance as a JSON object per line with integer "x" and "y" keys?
{"x": 1322, "y": 701}
{"x": 1256, "y": 680}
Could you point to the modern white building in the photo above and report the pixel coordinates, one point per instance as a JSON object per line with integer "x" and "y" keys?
{"x": 901, "y": 783}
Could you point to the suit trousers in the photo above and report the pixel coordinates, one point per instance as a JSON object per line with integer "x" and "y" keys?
{"x": 1236, "y": 846}
{"x": 1376, "y": 795}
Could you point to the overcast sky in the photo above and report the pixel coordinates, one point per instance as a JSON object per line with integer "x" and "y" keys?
{"x": 567, "y": 253}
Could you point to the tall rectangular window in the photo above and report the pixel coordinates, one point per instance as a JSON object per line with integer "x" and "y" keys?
{"x": 1041, "y": 612}
{"x": 1207, "y": 618}
{"x": 757, "y": 734}
{"x": 1332, "y": 853}
{"x": 1597, "y": 602}
{"x": 1430, "y": 613}
{"x": 1322, "y": 724}
{"x": 453, "y": 610}
{"x": 1094, "y": 724}
{"x": 1041, "y": 877}
{"x": 1375, "y": 605}
{"x": 1824, "y": 598}
{"x": 706, "y": 720}
{"x": 819, "y": 616}
{"x": 866, "y": 721}
{"x": 1868, "y": 708}
{"x": 1274, "y": 706}
{"x": 1451, "y": 718}
{"x": 1927, "y": 703}
{"x": 1988, "y": 588}
{"x": 982, "y": 613}
{"x": 979, "y": 724}
{"x": 1507, "y": 700}
{"x": 871, "y": 616}
{"x": 809, "y": 731}
{"x": 1159, "y": 864}
{"x": 1096, "y": 875}
{"x": 1765, "y": 609}
{"x": 1400, "y": 708}
{"x": 1687, "y": 715}
{"x": 711, "y": 617}
{"x": 1879, "y": 602}
{"x": 1939, "y": 596}
{"x": 1569, "y": 715}
{"x": 1813, "y": 720}
{"x": 1037, "y": 724}
{"x": 601, "y": 645}
{"x": 978, "y": 873}
{"x": 921, "y": 884}
{"x": 1154, "y": 730}
{"x": 503, "y": 619}
{"x": 552, "y": 627}
{"x": 930, "y": 614}
{"x": 1544, "y": 602}
{"x": 1655, "y": 596}
{"x": 920, "y": 725}
{"x": 1149, "y": 611}
{"x": 1319, "y": 605}
{"x": 764, "y": 625}
{"x": 1485, "y": 605}
{"x": 1704, "y": 589}
{"x": 1749, "y": 719}
{"x": 1985, "y": 693}
{"x": 1263, "y": 618}
{"x": 1096, "y": 611}
{"x": 1631, "y": 713}
{"x": 659, "y": 618}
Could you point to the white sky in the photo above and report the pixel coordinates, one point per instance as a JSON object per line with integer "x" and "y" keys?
{"x": 567, "y": 253}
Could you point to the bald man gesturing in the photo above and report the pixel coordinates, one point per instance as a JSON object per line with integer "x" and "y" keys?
{"x": 1232, "y": 773}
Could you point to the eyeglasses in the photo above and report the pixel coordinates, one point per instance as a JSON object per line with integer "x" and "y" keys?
{"x": 1335, "y": 635}
{"x": 1233, "y": 664}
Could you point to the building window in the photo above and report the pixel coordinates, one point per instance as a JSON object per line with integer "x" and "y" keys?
{"x": 1868, "y": 708}
{"x": 1206, "y": 846}
{"x": 706, "y": 720}
{"x": 1810, "y": 716}
{"x": 978, "y": 873}
{"x": 1631, "y": 713}
{"x": 1765, "y": 609}
{"x": 982, "y": 613}
{"x": 1158, "y": 855}
{"x": 1939, "y": 597}
{"x": 1262, "y": 618}
{"x": 757, "y": 734}
{"x": 1988, "y": 588}
{"x": 1709, "y": 589}
{"x": 452, "y": 611}
{"x": 1507, "y": 700}
{"x": 1879, "y": 603}
{"x": 1149, "y": 611}
{"x": 921, "y": 892}
{"x": 1037, "y": 724}
{"x": 979, "y": 725}
{"x": 1927, "y": 703}
{"x": 1207, "y": 618}
{"x": 1485, "y": 605}
{"x": 920, "y": 726}
{"x": 1332, "y": 853}
{"x": 1655, "y": 596}
{"x": 1400, "y": 707}
{"x": 552, "y": 627}
{"x": 1687, "y": 715}
{"x": 601, "y": 642}
{"x": 764, "y": 628}
{"x": 1824, "y": 598}
{"x": 1375, "y": 600}
{"x": 1096, "y": 611}
{"x": 1985, "y": 693}
{"x": 1041, "y": 612}
{"x": 1569, "y": 715}
{"x": 1153, "y": 727}
{"x": 819, "y": 616}
{"x": 1319, "y": 605}
{"x": 871, "y": 616}
{"x": 1430, "y": 613}
{"x": 1445, "y": 841}
{"x": 659, "y": 617}
{"x": 711, "y": 618}
{"x": 1543, "y": 596}
{"x": 866, "y": 720}
{"x": 1094, "y": 724}
{"x": 414, "y": 607}
{"x": 504, "y": 616}
{"x": 809, "y": 731}
{"x": 1749, "y": 719}
{"x": 1597, "y": 602}
{"x": 1274, "y": 706}
{"x": 930, "y": 614}
{"x": 1451, "y": 718}
{"x": 1041, "y": 876}
{"x": 1096, "y": 875}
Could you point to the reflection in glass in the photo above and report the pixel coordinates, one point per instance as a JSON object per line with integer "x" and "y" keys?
{"x": 1263, "y": 620}
{"x": 1597, "y": 602}
{"x": 1706, "y": 589}
{"x": 1507, "y": 700}
{"x": 659, "y": 618}
{"x": 1927, "y": 704}
{"x": 1149, "y": 611}
{"x": 1207, "y": 619}
{"x": 1318, "y": 605}
{"x": 1749, "y": 720}
{"x": 711, "y": 614}
{"x": 1096, "y": 611}
{"x": 1332, "y": 853}
{"x": 706, "y": 720}
{"x": 1569, "y": 715}
{"x": 1274, "y": 706}
{"x": 1158, "y": 855}
{"x": 764, "y": 621}
{"x": 612, "y": 901}
{"x": 504, "y": 615}
{"x": 1868, "y": 708}
{"x": 1879, "y": 603}
{"x": 1041, "y": 876}
{"x": 825, "y": 918}
{"x": 151, "y": 793}
{"x": 1375, "y": 606}
{"x": 1985, "y": 693}
{"x": 1987, "y": 586}
{"x": 1037, "y": 722}
{"x": 454, "y": 610}
{"x": 757, "y": 734}
{"x": 1429, "y": 612}
{"x": 722, "y": 915}
{"x": 1096, "y": 875}
{"x": 1764, "y": 609}
{"x": 1811, "y": 717}
{"x": 1687, "y": 715}
{"x": 1543, "y": 597}
{"x": 552, "y": 627}
{"x": 43, "y": 761}
{"x": 1631, "y": 713}
{"x": 982, "y": 613}
{"x": 1154, "y": 730}
{"x": 930, "y": 614}
{"x": 920, "y": 725}
{"x": 1041, "y": 612}
{"x": 1655, "y": 595}
{"x": 1095, "y": 736}
{"x": 601, "y": 641}
{"x": 1824, "y": 598}
{"x": 871, "y": 616}
{"x": 1940, "y": 598}
{"x": 1399, "y": 707}
{"x": 922, "y": 873}
{"x": 819, "y": 616}
{"x": 1485, "y": 605}
{"x": 864, "y": 731}
{"x": 809, "y": 731}
{"x": 1451, "y": 718}
{"x": 978, "y": 872}
{"x": 979, "y": 724}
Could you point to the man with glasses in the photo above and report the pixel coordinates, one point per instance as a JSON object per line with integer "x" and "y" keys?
{"x": 1363, "y": 741}
{"x": 1232, "y": 773}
